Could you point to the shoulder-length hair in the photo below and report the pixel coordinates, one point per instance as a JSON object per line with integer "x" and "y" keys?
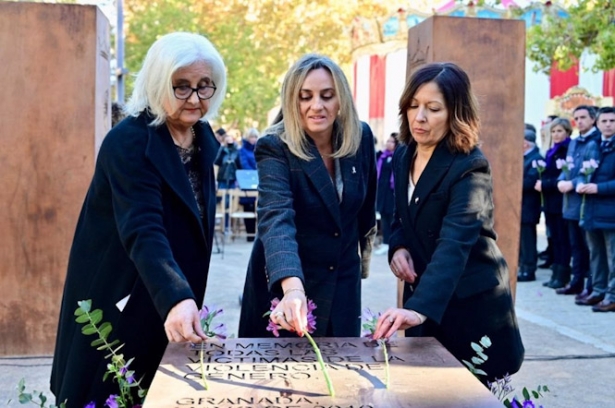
{"x": 288, "y": 125}
{"x": 454, "y": 84}
{"x": 153, "y": 85}
{"x": 563, "y": 122}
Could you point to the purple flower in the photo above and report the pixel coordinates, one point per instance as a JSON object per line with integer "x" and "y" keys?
{"x": 369, "y": 322}
{"x": 311, "y": 319}
{"x": 112, "y": 401}
{"x": 207, "y": 316}
{"x": 91, "y": 404}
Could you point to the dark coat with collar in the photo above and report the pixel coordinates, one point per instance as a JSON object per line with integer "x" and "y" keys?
{"x": 599, "y": 211}
{"x": 463, "y": 283}
{"x": 580, "y": 149}
{"x": 139, "y": 234}
{"x": 530, "y": 201}
{"x": 304, "y": 231}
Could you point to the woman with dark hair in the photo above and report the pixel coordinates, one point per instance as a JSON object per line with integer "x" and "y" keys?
{"x": 456, "y": 282}
{"x": 316, "y": 208}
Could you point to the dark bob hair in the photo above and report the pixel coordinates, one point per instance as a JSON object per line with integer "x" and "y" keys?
{"x": 461, "y": 104}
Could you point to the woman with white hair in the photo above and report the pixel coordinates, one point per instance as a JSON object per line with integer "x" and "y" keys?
{"x": 143, "y": 241}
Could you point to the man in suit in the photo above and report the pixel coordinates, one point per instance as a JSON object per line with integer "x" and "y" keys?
{"x": 530, "y": 208}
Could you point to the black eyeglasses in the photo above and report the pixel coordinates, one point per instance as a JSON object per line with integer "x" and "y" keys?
{"x": 184, "y": 92}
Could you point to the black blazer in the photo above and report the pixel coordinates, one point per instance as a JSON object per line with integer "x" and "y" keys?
{"x": 463, "y": 284}
{"x": 304, "y": 231}
{"x": 139, "y": 234}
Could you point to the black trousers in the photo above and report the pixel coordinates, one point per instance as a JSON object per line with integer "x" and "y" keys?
{"x": 528, "y": 254}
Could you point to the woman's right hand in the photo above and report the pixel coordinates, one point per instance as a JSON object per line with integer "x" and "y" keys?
{"x": 402, "y": 265}
{"x": 291, "y": 312}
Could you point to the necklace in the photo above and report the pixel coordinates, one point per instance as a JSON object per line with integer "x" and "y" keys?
{"x": 187, "y": 142}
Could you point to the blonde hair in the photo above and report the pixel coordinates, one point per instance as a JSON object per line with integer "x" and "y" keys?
{"x": 347, "y": 127}
{"x": 153, "y": 85}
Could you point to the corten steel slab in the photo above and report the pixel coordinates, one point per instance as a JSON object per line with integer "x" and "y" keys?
{"x": 285, "y": 373}
{"x": 492, "y": 52}
{"x": 54, "y": 76}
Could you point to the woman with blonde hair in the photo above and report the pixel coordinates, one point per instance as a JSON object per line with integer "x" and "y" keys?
{"x": 316, "y": 207}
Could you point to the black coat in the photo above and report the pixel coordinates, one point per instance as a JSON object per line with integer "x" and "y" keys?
{"x": 139, "y": 234}
{"x": 530, "y": 201}
{"x": 463, "y": 286}
{"x": 553, "y": 198}
{"x": 304, "y": 231}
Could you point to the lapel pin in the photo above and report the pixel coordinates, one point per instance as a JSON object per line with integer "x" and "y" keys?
{"x": 416, "y": 200}
{"x": 354, "y": 171}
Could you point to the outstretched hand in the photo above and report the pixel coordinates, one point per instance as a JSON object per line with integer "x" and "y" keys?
{"x": 395, "y": 319}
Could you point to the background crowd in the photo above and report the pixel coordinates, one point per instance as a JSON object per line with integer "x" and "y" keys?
{"x": 573, "y": 184}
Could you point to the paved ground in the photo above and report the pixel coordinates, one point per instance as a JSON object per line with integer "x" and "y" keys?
{"x": 568, "y": 348}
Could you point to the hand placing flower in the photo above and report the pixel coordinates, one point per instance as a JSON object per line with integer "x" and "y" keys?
{"x": 275, "y": 327}
{"x": 211, "y": 330}
{"x": 369, "y": 327}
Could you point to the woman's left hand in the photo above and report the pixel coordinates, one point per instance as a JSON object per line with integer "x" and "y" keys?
{"x": 538, "y": 185}
{"x": 395, "y": 319}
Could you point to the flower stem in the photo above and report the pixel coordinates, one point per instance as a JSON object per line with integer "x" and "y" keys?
{"x": 582, "y": 208}
{"x": 387, "y": 382}
{"x": 322, "y": 364}
{"x": 203, "y": 369}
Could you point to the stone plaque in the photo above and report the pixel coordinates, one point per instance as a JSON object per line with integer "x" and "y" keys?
{"x": 276, "y": 373}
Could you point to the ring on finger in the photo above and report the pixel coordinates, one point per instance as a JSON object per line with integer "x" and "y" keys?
{"x": 391, "y": 319}
{"x": 278, "y": 314}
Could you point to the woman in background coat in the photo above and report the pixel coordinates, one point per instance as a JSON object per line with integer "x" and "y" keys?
{"x": 316, "y": 208}
{"x": 142, "y": 246}
{"x": 456, "y": 282}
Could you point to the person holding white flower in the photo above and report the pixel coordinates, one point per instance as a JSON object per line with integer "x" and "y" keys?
{"x": 599, "y": 215}
{"x": 579, "y": 150}
{"x": 560, "y": 130}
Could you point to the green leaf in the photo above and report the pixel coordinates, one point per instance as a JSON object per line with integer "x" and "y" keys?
{"x": 97, "y": 342}
{"x": 24, "y": 398}
{"x": 535, "y": 394}
{"x": 468, "y": 364}
{"x": 88, "y": 329}
{"x": 114, "y": 342}
{"x": 476, "y": 347}
{"x": 485, "y": 341}
{"x": 507, "y": 404}
{"x": 477, "y": 361}
{"x": 82, "y": 318}
{"x": 105, "y": 330}
{"x": 479, "y": 372}
{"x": 96, "y": 316}
{"x": 526, "y": 394}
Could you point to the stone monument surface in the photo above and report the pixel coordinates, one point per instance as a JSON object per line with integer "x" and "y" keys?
{"x": 55, "y": 81}
{"x": 285, "y": 373}
{"x": 492, "y": 52}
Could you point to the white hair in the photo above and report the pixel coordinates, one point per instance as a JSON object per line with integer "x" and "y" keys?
{"x": 153, "y": 85}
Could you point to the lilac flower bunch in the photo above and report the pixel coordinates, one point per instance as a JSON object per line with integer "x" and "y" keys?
{"x": 370, "y": 319}
{"x": 311, "y": 327}
{"x": 211, "y": 330}
{"x": 565, "y": 165}
{"x": 587, "y": 169}
{"x": 540, "y": 165}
